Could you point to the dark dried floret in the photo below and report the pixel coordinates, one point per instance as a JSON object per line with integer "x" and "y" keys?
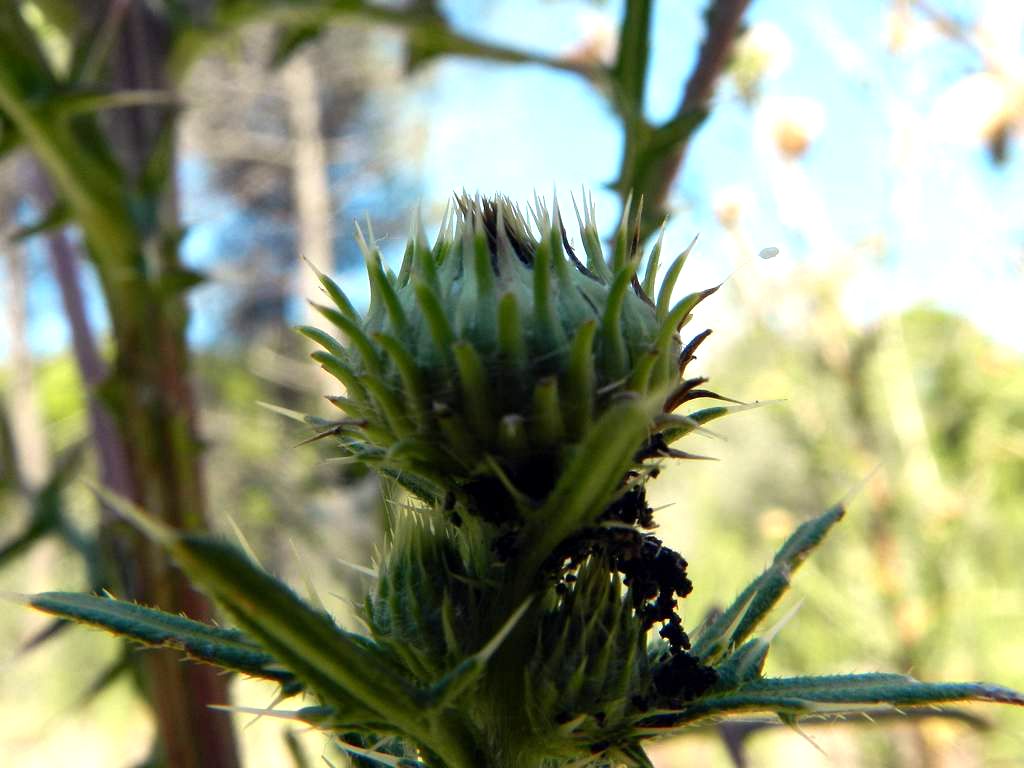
{"x": 681, "y": 677}
{"x": 631, "y": 508}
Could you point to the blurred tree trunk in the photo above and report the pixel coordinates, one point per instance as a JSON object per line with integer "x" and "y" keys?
{"x": 152, "y": 397}
{"x": 311, "y": 189}
{"x": 310, "y": 185}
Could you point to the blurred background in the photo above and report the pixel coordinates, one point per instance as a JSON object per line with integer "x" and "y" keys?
{"x": 215, "y": 144}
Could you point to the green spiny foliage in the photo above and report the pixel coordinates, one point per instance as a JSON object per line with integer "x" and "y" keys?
{"x": 520, "y": 401}
{"x": 492, "y": 353}
{"x": 221, "y": 647}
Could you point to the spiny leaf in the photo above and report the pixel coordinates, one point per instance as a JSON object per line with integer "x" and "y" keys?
{"x": 381, "y": 284}
{"x": 423, "y": 266}
{"x": 640, "y": 378}
{"x": 336, "y": 663}
{"x": 340, "y": 666}
{"x": 47, "y": 507}
{"x": 549, "y": 331}
{"x": 744, "y": 664}
{"x": 178, "y": 280}
{"x": 734, "y": 625}
{"x": 289, "y": 38}
{"x": 343, "y": 372}
{"x": 834, "y": 693}
{"x": 483, "y": 274}
{"x": 391, "y": 406}
{"x": 512, "y": 436}
{"x": 227, "y": 648}
{"x": 620, "y": 252}
{"x": 592, "y": 240}
{"x": 72, "y": 104}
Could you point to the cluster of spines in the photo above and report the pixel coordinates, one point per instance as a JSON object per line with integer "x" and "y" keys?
{"x": 498, "y": 340}
{"x": 590, "y": 655}
{"x": 423, "y": 602}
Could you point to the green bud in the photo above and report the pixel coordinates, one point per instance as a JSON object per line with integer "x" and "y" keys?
{"x": 494, "y": 352}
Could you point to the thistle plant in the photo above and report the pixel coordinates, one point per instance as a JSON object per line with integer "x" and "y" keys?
{"x": 517, "y": 396}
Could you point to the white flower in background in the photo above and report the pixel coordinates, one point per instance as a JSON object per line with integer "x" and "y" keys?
{"x": 599, "y": 39}
{"x": 763, "y": 53}
{"x": 977, "y": 108}
{"x": 984, "y": 108}
{"x": 792, "y": 123}
{"x": 731, "y": 202}
{"x": 998, "y": 32}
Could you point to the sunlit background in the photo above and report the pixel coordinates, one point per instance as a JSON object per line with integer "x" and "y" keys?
{"x": 876, "y": 145}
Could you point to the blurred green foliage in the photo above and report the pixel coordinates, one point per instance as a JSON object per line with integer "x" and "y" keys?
{"x": 924, "y": 577}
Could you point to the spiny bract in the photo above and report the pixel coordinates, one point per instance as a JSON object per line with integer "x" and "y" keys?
{"x": 488, "y": 356}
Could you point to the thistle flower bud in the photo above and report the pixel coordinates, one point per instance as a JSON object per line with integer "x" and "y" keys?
{"x": 490, "y": 354}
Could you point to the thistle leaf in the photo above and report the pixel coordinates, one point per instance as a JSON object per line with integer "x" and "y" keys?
{"x": 340, "y": 666}
{"x": 221, "y": 647}
{"x": 337, "y": 664}
{"x": 734, "y": 625}
{"x": 799, "y": 696}
{"x": 343, "y": 372}
{"x": 511, "y": 341}
{"x": 549, "y": 335}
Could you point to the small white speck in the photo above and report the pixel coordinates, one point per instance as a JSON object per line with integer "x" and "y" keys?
{"x": 769, "y": 253}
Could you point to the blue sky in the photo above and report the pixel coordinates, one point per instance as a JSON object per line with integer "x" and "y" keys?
{"x": 951, "y": 222}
